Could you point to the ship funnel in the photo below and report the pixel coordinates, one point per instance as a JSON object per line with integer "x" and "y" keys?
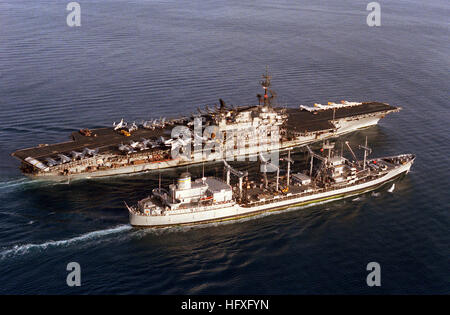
{"x": 184, "y": 182}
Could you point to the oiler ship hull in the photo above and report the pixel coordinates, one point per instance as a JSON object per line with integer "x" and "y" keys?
{"x": 233, "y": 211}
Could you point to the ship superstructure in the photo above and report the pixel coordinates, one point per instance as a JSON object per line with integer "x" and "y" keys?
{"x": 231, "y": 132}
{"x": 211, "y": 199}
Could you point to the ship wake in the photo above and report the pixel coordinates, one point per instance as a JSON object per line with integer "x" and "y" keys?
{"x": 23, "y": 249}
{"x": 23, "y": 183}
{"x": 13, "y": 183}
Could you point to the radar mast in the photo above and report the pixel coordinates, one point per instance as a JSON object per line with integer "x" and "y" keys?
{"x": 265, "y": 83}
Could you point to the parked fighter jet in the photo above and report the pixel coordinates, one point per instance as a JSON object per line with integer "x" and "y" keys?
{"x": 123, "y": 147}
{"x": 64, "y": 158}
{"x": 142, "y": 146}
{"x": 133, "y": 127}
{"x": 148, "y": 143}
{"x": 51, "y": 162}
{"x": 180, "y": 120}
{"x": 134, "y": 144}
{"x": 77, "y": 155}
{"x": 160, "y": 123}
{"x": 148, "y": 124}
{"x": 178, "y": 142}
{"x": 161, "y": 141}
{"x": 90, "y": 152}
{"x": 120, "y": 125}
{"x": 126, "y": 148}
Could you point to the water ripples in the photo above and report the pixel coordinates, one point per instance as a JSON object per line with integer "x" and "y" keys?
{"x": 168, "y": 59}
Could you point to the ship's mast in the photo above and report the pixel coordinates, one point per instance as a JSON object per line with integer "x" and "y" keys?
{"x": 265, "y": 83}
{"x": 328, "y": 146}
{"x": 289, "y": 160}
{"x": 266, "y": 163}
{"x": 366, "y": 150}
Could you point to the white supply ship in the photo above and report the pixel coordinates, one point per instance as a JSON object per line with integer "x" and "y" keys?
{"x": 211, "y": 199}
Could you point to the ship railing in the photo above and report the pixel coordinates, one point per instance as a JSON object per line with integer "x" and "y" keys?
{"x": 192, "y": 209}
{"x": 107, "y": 159}
{"x": 85, "y": 161}
{"x": 315, "y": 191}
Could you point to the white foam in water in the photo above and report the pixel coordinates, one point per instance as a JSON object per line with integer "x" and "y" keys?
{"x": 24, "y": 182}
{"x": 23, "y": 249}
{"x": 13, "y": 183}
{"x": 392, "y": 188}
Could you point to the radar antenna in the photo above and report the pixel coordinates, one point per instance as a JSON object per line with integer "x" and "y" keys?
{"x": 265, "y": 83}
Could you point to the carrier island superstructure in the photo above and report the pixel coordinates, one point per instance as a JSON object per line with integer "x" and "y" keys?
{"x": 210, "y": 199}
{"x": 132, "y": 148}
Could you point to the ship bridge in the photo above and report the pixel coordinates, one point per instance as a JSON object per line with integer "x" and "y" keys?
{"x": 202, "y": 189}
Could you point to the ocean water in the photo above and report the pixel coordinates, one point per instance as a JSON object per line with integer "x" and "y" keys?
{"x": 147, "y": 58}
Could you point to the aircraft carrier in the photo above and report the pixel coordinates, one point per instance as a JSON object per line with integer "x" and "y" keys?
{"x": 131, "y": 148}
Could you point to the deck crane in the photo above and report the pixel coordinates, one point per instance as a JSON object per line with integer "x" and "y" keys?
{"x": 350, "y": 148}
{"x": 238, "y": 174}
{"x": 328, "y": 146}
{"x": 314, "y": 155}
{"x": 367, "y": 150}
{"x": 266, "y": 163}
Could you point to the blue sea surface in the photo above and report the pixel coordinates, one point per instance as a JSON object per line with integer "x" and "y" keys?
{"x": 149, "y": 58}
